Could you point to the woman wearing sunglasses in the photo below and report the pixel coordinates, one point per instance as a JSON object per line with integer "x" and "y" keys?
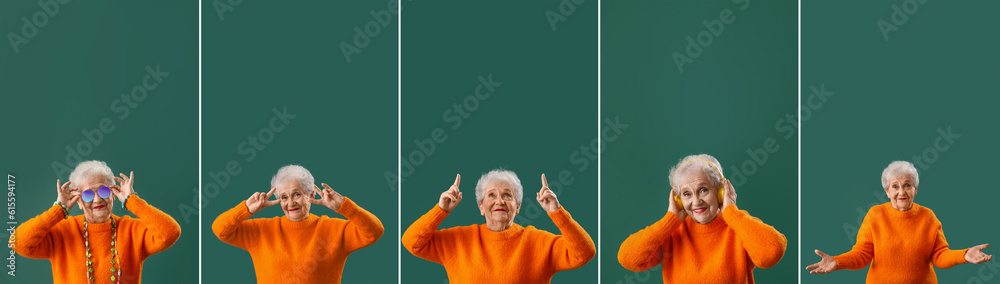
{"x": 97, "y": 247}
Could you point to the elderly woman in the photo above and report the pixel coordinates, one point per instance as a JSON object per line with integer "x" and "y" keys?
{"x": 298, "y": 247}
{"x": 719, "y": 243}
{"x": 900, "y": 239}
{"x": 500, "y": 251}
{"x": 97, "y": 246}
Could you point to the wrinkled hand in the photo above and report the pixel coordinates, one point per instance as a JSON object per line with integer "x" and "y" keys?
{"x": 259, "y": 201}
{"x": 124, "y": 187}
{"x": 826, "y": 265}
{"x": 729, "y": 196}
{"x": 975, "y": 254}
{"x": 451, "y": 197}
{"x": 327, "y": 197}
{"x": 676, "y": 209}
{"x": 66, "y": 195}
{"x": 547, "y": 198}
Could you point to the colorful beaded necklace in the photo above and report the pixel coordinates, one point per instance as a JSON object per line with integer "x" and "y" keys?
{"x": 114, "y": 254}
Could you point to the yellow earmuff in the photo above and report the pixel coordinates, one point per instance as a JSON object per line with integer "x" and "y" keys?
{"x": 722, "y": 187}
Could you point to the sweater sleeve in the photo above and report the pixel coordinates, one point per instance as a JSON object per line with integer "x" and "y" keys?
{"x": 158, "y": 230}
{"x": 863, "y": 251}
{"x": 644, "y": 249}
{"x": 34, "y": 238}
{"x": 232, "y": 228}
{"x": 764, "y": 245}
{"x": 423, "y": 239}
{"x": 362, "y": 229}
{"x": 941, "y": 256}
{"x": 574, "y": 248}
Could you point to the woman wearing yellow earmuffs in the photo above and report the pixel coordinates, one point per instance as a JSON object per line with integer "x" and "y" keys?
{"x": 703, "y": 248}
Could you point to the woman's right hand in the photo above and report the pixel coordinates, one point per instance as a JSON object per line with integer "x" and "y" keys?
{"x": 451, "y": 197}
{"x": 676, "y": 209}
{"x": 826, "y": 265}
{"x": 65, "y": 194}
{"x": 259, "y": 201}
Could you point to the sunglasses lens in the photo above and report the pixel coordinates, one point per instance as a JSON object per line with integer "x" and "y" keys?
{"x": 87, "y": 196}
{"x": 104, "y": 192}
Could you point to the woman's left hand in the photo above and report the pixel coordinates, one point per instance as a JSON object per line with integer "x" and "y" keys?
{"x": 327, "y": 197}
{"x": 547, "y": 198}
{"x": 730, "y": 195}
{"x": 975, "y": 254}
{"x": 124, "y": 189}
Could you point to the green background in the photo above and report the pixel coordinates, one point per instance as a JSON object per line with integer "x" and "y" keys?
{"x": 543, "y": 112}
{"x": 726, "y": 103}
{"x": 939, "y": 70}
{"x": 64, "y": 81}
{"x": 285, "y": 54}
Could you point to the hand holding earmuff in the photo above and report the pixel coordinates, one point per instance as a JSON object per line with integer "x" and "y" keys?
{"x": 124, "y": 189}
{"x": 728, "y": 194}
{"x": 676, "y": 206}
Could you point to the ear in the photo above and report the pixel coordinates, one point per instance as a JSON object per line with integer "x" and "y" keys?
{"x": 482, "y": 210}
{"x": 517, "y": 209}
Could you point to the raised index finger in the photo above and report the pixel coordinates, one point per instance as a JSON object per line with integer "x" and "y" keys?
{"x": 458, "y": 178}
{"x": 545, "y": 183}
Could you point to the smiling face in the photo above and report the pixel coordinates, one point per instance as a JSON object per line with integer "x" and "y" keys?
{"x": 499, "y": 205}
{"x": 99, "y": 209}
{"x": 295, "y": 200}
{"x": 901, "y": 192}
{"x": 699, "y": 195}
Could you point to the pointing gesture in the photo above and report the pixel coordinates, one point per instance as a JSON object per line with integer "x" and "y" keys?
{"x": 259, "y": 201}
{"x": 327, "y": 197}
{"x": 547, "y": 198}
{"x": 451, "y": 197}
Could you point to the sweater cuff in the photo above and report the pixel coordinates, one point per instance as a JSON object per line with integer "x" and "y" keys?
{"x": 560, "y": 217}
{"x": 54, "y": 214}
{"x": 437, "y": 214}
{"x": 348, "y": 208}
{"x": 245, "y": 213}
{"x": 136, "y": 202}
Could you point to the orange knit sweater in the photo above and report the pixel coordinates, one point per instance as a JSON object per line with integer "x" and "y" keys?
{"x": 901, "y": 246}
{"x": 50, "y": 236}
{"x": 723, "y": 251}
{"x": 313, "y": 250}
{"x": 475, "y": 254}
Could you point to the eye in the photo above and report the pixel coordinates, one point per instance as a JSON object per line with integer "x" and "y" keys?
{"x": 703, "y": 190}
{"x": 507, "y": 196}
{"x": 492, "y": 195}
{"x": 686, "y": 194}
